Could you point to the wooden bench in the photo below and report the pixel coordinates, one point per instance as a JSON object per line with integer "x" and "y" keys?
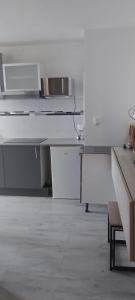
{"x": 114, "y": 224}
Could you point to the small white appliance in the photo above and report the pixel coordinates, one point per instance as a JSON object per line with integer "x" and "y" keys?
{"x": 57, "y": 86}
{"x": 65, "y": 164}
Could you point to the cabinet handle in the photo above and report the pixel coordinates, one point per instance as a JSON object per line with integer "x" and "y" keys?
{"x": 36, "y": 153}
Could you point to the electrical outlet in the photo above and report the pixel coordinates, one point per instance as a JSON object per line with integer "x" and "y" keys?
{"x": 97, "y": 120}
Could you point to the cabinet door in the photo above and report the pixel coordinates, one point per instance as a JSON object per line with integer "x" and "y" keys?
{"x": 97, "y": 184}
{"x": 65, "y": 163}
{"x": 22, "y": 166}
{"x": 1, "y": 168}
{"x": 21, "y": 77}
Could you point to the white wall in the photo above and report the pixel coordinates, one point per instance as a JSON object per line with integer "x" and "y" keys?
{"x": 38, "y": 126}
{"x": 110, "y": 84}
{"x": 62, "y": 58}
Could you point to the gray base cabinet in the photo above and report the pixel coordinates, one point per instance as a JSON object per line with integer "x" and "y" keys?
{"x": 25, "y": 166}
{"x": 2, "y": 183}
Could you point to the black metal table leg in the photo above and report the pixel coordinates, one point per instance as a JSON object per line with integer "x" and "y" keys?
{"x": 110, "y": 229}
{"x": 113, "y": 248}
{"x": 114, "y": 266}
{"x": 87, "y": 207}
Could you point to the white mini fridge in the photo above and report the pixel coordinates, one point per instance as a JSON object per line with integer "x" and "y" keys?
{"x": 65, "y": 165}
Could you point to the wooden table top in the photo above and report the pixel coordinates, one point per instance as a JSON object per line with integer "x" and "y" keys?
{"x": 126, "y": 160}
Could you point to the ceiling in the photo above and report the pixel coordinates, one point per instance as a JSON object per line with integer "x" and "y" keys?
{"x": 41, "y": 20}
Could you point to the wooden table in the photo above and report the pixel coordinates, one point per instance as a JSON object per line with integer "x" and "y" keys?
{"x": 123, "y": 173}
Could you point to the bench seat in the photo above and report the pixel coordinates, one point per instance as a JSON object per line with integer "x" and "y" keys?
{"x": 113, "y": 213}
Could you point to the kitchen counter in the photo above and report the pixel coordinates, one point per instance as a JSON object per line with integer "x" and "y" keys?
{"x": 43, "y": 142}
{"x": 24, "y": 141}
{"x": 62, "y": 142}
{"x": 25, "y": 165}
{"x": 2, "y": 141}
{"x": 96, "y": 150}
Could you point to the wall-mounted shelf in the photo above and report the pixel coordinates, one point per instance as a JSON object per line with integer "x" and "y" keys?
{"x": 40, "y": 113}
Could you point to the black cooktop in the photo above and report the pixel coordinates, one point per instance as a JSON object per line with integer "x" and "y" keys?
{"x": 26, "y": 140}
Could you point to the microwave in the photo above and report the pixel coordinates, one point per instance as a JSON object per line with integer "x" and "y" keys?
{"x": 56, "y": 86}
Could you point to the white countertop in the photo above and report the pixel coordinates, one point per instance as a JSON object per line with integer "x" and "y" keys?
{"x": 62, "y": 142}
{"x": 47, "y": 142}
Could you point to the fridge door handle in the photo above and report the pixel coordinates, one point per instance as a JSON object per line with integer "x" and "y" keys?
{"x": 65, "y": 153}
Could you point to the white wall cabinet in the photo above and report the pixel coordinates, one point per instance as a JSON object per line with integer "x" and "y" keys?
{"x": 21, "y": 77}
{"x": 97, "y": 185}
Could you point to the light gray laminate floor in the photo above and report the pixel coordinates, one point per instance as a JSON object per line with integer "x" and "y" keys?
{"x": 53, "y": 250}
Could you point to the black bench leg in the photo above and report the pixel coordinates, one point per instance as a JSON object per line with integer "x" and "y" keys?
{"x": 108, "y": 230}
{"x": 114, "y": 266}
{"x": 110, "y": 237}
{"x": 113, "y": 248}
{"x": 87, "y": 207}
